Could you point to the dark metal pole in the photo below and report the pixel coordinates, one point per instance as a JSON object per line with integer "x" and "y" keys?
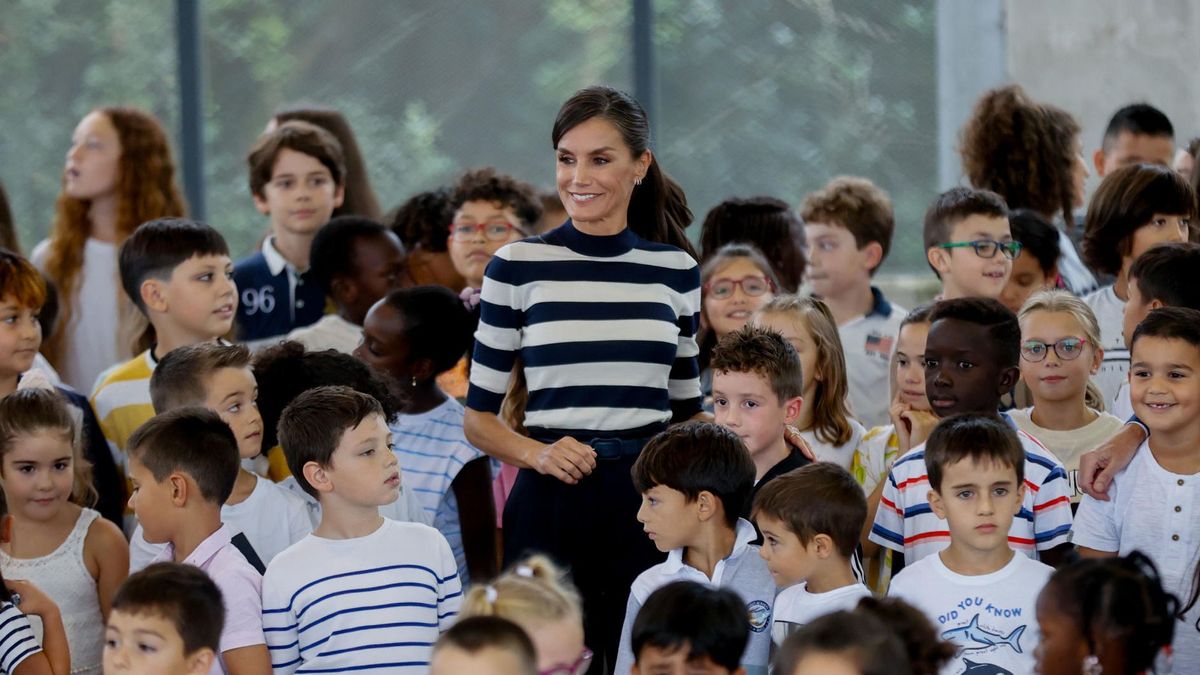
{"x": 191, "y": 118}
{"x": 645, "y": 84}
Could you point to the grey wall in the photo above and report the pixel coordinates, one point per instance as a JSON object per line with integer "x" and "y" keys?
{"x": 1090, "y": 57}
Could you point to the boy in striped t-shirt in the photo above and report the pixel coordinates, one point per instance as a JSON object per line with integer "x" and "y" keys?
{"x": 361, "y": 592}
{"x": 970, "y": 362}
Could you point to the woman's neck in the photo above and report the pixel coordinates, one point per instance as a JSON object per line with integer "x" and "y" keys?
{"x": 102, "y": 219}
{"x": 604, "y": 227}
{"x": 294, "y": 248}
{"x": 1064, "y": 415}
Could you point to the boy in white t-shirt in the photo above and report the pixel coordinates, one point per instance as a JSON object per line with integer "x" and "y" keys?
{"x": 811, "y": 519}
{"x": 1153, "y": 503}
{"x": 361, "y": 592}
{"x": 218, "y": 377}
{"x": 978, "y": 592}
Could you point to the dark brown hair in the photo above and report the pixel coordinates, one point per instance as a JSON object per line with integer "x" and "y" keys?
{"x": 312, "y": 426}
{"x": 29, "y": 411}
{"x": 487, "y": 185}
{"x": 358, "y": 199}
{"x": 764, "y": 353}
{"x": 927, "y": 651}
{"x": 181, "y": 377}
{"x": 956, "y": 205}
{"x": 767, "y": 223}
{"x": 474, "y": 634}
{"x": 184, "y": 595}
{"x": 1023, "y": 151}
{"x": 658, "y": 210}
{"x": 297, "y": 136}
{"x": 1167, "y": 273}
{"x": 696, "y": 457}
{"x": 975, "y": 437}
{"x": 421, "y": 221}
{"x": 821, "y": 498}
{"x": 856, "y": 204}
{"x": 1126, "y": 200}
{"x": 190, "y": 440}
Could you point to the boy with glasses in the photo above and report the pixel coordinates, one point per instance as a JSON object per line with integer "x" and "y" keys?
{"x": 968, "y": 243}
{"x": 490, "y": 210}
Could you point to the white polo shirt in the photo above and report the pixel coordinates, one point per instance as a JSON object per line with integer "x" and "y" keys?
{"x": 868, "y": 342}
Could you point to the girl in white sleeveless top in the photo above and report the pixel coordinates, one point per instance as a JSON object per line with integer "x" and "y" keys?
{"x": 73, "y": 555}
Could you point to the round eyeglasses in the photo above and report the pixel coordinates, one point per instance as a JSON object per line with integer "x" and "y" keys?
{"x": 753, "y": 286}
{"x": 987, "y": 248}
{"x": 1067, "y": 349}
{"x": 493, "y": 230}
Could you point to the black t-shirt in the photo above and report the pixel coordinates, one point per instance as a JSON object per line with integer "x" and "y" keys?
{"x": 794, "y": 460}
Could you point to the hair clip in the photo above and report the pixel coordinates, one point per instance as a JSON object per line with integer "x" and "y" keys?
{"x": 524, "y": 571}
{"x": 490, "y": 593}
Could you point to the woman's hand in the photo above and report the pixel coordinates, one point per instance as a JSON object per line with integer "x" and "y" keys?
{"x": 792, "y": 435}
{"x": 566, "y": 459}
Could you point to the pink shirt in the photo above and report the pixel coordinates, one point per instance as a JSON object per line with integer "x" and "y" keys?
{"x": 241, "y": 590}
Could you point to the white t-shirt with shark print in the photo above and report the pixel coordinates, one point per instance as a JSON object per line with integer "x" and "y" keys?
{"x": 991, "y": 618}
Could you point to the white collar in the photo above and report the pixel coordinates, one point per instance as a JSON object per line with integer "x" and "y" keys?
{"x": 744, "y": 535}
{"x": 275, "y": 260}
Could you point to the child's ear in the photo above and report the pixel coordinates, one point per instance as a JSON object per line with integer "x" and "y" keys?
{"x": 792, "y": 408}
{"x": 343, "y": 291}
{"x": 422, "y": 369}
{"x": 872, "y": 255}
{"x": 1008, "y": 379}
{"x": 339, "y": 195}
{"x": 261, "y": 204}
{"x": 318, "y": 477}
{"x": 1098, "y": 161}
{"x": 200, "y": 661}
{"x": 154, "y": 295}
{"x": 1097, "y": 359}
{"x": 935, "y": 503}
{"x": 1020, "y": 498}
{"x": 824, "y": 546}
{"x": 939, "y": 258}
{"x": 706, "y": 505}
{"x": 179, "y": 489}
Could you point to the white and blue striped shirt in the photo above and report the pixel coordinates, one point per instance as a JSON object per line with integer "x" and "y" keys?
{"x": 432, "y": 449}
{"x": 17, "y": 641}
{"x": 377, "y": 602}
{"x": 605, "y": 327}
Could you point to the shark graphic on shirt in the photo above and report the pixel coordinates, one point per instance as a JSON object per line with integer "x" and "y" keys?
{"x": 983, "y": 669}
{"x": 975, "y": 637}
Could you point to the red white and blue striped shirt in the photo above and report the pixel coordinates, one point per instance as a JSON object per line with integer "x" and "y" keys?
{"x": 906, "y": 523}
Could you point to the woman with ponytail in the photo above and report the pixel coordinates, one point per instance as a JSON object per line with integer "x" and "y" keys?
{"x": 118, "y": 175}
{"x": 602, "y": 313}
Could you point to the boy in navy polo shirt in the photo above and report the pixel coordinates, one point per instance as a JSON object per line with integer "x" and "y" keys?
{"x": 848, "y": 225}
{"x": 297, "y": 178}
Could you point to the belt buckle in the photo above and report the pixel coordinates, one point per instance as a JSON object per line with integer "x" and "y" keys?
{"x": 606, "y": 448}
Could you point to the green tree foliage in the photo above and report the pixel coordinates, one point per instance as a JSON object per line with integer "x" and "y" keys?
{"x": 756, "y": 96}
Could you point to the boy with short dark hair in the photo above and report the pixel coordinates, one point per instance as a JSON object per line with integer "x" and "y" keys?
{"x": 756, "y": 394}
{"x": 978, "y": 592}
{"x": 297, "y": 178}
{"x": 358, "y": 261}
{"x": 811, "y": 520}
{"x": 1152, "y": 503}
{"x": 174, "y": 609}
{"x": 689, "y": 627}
{"x": 848, "y": 225}
{"x": 970, "y": 363}
{"x": 1163, "y": 276}
{"x": 183, "y": 465}
{"x": 1036, "y": 268}
{"x": 694, "y": 479}
{"x": 361, "y": 591}
{"x": 969, "y": 243}
{"x": 1136, "y": 134}
{"x": 490, "y": 210}
{"x": 265, "y": 517}
{"x": 178, "y": 273}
